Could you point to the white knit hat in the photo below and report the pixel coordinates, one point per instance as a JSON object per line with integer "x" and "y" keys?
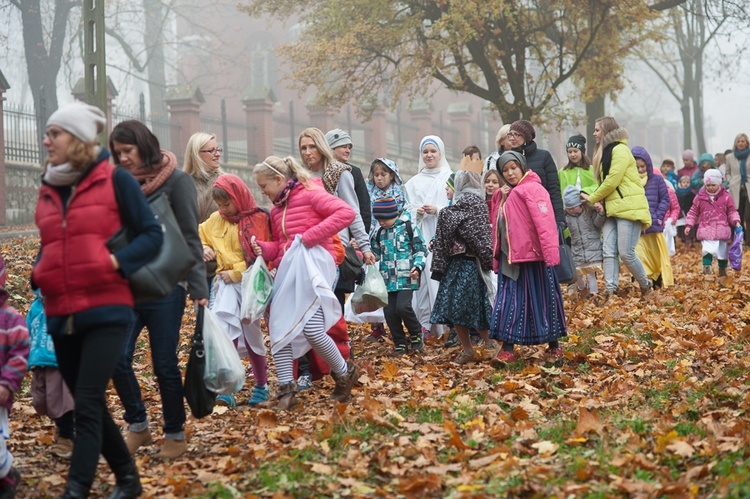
{"x": 81, "y": 120}
{"x": 713, "y": 177}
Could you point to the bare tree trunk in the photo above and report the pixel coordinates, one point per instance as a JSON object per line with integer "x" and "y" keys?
{"x": 154, "y": 41}
{"x": 42, "y": 65}
{"x": 594, "y": 111}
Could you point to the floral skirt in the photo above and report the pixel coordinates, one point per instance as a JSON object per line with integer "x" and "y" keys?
{"x": 462, "y": 297}
{"x": 529, "y": 310}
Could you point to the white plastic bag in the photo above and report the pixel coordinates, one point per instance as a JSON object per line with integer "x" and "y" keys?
{"x": 224, "y": 373}
{"x": 372, "y": 294}
{"x": 670, "y": 231}
{"x": 257, "y": 286}
{"x": 363, "y": 318}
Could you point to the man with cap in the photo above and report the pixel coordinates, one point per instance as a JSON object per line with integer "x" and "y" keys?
{"x": 341, "y": 143}
{"x": 521, "y": 137}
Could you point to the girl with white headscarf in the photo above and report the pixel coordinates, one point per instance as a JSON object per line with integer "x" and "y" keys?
{"x": 425, "y": 194}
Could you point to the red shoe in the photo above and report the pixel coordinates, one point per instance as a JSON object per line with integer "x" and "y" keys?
{"x": 554, "y": 355}
{"x": 502, "y": 359}
{"x": 377, "y": 332}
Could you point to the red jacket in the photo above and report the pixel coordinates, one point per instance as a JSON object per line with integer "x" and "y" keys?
{"x": 75, "y": 271}
{"x": 529, "y": 219}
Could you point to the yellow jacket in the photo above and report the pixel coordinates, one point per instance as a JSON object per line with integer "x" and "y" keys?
{"x": 224, "y": 238}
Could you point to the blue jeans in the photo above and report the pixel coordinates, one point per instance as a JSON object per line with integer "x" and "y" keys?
{"x": 162, "y": 318}
{"x": 619, "y": 237}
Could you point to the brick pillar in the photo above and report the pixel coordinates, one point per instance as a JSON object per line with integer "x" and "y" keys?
{"x": 4, "y": 86}
{"x": 376, "y": 141}
{"x": 460, "y": 115}
{"x": 420, "y": 113}
{"x": 258, "y": 105}
{"x": 184, "y": 104}
{"x": 321, "y": 117}
{"x": 79, "y": 91}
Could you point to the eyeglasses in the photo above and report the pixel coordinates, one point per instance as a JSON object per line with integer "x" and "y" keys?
{"x": 52, "y": 134}
{"x": 216, "y": 150}
{"x": 514, "y": 134}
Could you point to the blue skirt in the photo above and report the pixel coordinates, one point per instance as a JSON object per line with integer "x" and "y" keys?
{"x": 462, "y": 297}
{"x": 528, "y": 311}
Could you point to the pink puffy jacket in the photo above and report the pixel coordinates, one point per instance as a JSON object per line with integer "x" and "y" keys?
{"x": 312, "y": 212}
{"x": 530, "y": 223}
{"x": 715, "y": 218}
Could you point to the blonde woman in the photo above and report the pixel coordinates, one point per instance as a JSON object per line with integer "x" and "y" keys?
{"x": 737, "y": 179}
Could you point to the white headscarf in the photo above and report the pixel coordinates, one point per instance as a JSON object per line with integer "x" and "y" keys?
{"x": 466, "y": 182}
{"x": 438, "y": 142}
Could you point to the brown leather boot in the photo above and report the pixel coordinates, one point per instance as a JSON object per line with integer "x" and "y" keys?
{"x": 286, "y": 398}
{"x": 172, "y": 449}
{"x": 136, "y": 439}
{"x": 344, "y": 382}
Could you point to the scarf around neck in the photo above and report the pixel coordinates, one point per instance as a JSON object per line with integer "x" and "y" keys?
{"x": 742, "y": 157}
{"x": 152, "y": 177}
{"x": 251, "y": 220}
{"x": 281, "y": 199}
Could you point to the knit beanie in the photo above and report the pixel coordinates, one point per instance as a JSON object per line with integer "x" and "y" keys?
{"x": 713, "y": 177}
{"x": 572, "y": 197}
{"x": 337, "y": 138}
{"x": 525, "y": 128}
{"x": 450, "y": 180}
{"x": 688, "y": 155}
{"x": 510, "y": 156}
{"x": 83, "y": 121}
{"x": 578, "y": 141}
{"x": 384, "y": 208}
{"x": 707, "y": 156}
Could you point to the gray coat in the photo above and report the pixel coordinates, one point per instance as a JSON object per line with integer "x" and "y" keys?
{"x": 585, "y": 236}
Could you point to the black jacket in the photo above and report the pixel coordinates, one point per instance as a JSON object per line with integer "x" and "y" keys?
{"x": 540, "y": 162}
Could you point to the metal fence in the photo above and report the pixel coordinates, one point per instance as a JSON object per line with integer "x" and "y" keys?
{"x": 22, "y": 141}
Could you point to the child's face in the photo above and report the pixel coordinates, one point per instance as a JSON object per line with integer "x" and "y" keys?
{"x": 512, "y": 173}
{"x": 491, "y": 184}
{"x": 382, "y": 177}
{"x": 684, "y": 182}
{"x": 577, "y": 210}
{"x": 449, "y": 191}
{"x": 387, "y": 223}
{"x": 705, "y": 165}
{"x": 575, "y": 155}
{"x": 712, "y": 188}
{"x": 226, "y": 207}
{"x": 666, "y": 168}
{"x": 271, "y": 187}
{"x": 641, "y": 165}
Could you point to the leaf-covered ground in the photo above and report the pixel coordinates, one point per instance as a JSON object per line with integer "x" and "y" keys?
{"x": 651, "y": 401}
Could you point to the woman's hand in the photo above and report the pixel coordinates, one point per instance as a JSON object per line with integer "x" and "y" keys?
{"x": 354, "y": 244}
{"x": 368, "y": 257}
{"x": 599, "y": 207}
{"x": 201, "y": 302}
{"x": 208, "y": 254}
{"x": 430, "y": 209}
{"x": 505, "y": 189}
{"x": 256, "y": 247}
{"x": 415, "y": 273}
{"x": 224, "y": 274}
{"x": 115, "y": 264}
{"x": 584, "y": 196}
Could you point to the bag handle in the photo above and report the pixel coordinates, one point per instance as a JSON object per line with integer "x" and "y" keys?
{"x": 198, "y": 335}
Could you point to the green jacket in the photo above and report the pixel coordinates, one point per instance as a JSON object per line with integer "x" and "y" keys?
{"x": 571, "y": 177}
{"x": 621, "y": 190}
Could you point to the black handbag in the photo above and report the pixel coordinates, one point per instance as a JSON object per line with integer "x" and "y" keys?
{"x": 566, "y": 269}
{"x": 200, "y": 399}
{"x": 158, "y": 277}
{"x": 352, "y": 268}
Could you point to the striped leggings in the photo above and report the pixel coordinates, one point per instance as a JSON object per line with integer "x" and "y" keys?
{"x": 315, "y": 333}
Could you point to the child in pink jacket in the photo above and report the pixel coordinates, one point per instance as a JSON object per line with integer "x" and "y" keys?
{"x": 714, "y": 212}
{"x": 528, "y": 307}
{"x": 302, "y": 207}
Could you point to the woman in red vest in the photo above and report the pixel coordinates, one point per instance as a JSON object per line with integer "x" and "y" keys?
{"x": 88, "y": 300}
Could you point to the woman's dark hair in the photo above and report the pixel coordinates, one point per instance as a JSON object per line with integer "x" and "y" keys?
{"x": 136, "y": 133}
{"x": 219, "y": 194}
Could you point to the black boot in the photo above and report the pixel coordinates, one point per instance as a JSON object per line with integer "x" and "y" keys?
{"x": 74, "y": 490}
{"x": 128, "y": 483}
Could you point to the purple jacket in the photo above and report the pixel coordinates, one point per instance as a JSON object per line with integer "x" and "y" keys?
{"x": 656, "y": 192}
{"x": 715, "y": 218}
{"x": 14, "y": 349}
